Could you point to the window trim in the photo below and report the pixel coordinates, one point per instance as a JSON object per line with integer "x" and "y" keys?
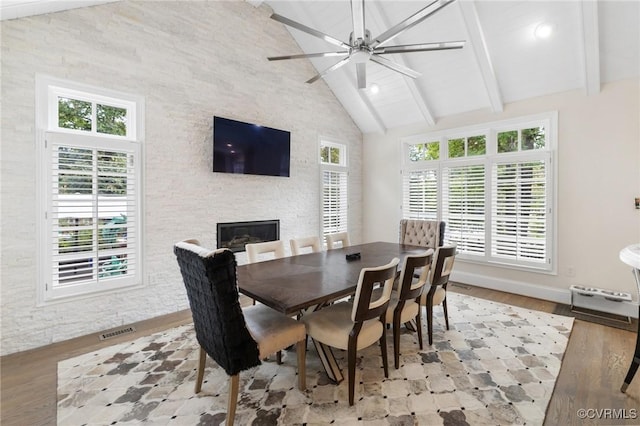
{"x": 492, "y": 157}
{"x": 47, "y": 89}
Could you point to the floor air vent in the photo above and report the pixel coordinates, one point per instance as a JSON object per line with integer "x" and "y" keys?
{"x": 115, "y": 333}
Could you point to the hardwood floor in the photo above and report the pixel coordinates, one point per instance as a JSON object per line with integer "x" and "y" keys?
{"x": 594, "y": 366}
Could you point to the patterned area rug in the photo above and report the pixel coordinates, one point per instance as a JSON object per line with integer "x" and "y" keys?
{"x": 497, "y": 365}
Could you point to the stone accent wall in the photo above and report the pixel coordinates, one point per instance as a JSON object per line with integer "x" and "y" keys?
{"x": 191, "y": 61}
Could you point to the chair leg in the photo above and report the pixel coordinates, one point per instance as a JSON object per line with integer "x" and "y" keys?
{"x": 383, "y": 348}
{"x": 446, "y": 313}
{"x": 396, "y": 341}
{"x": 301, "y": 349}
{"x": 201, "y": 363}
{"x": 351, "y": 366}
{"x": 279, "y": 357}
{"x": 419, "y": 327}
{"x": 430, "y": 319}
{"x": 233, "y": 398}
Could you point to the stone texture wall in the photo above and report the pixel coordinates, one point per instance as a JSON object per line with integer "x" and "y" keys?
{"x": 190, "y": 61}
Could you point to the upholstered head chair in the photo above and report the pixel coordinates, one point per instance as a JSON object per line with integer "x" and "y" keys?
{"x": 357, "y": 325}
{"x": 338, "y": 237}
{"x": 235, "y": 339}
{"x": 437, "y": 286}
{"x": 299, "y": 245}
{"x": 425, "y": 233}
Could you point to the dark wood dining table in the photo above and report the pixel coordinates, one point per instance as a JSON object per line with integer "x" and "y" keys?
{"x": 294, "y": 284}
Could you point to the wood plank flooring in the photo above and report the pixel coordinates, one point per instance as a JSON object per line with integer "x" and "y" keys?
{"x": 595, "y": 363}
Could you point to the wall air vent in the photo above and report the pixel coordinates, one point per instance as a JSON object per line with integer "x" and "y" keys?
{"x": 115, "y": 333}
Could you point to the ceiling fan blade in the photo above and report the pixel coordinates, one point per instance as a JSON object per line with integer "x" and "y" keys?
{"x": 414, "y": 19}
{"x": 361, "y": 73}
{"x": 422, "y": 47}
{"x": 395, "y": 66}
{"x": 308, "y": 30}
{"x": 357, "y": 15}
{"x": 309, "y": 55}
{"x": 328, "y": 70}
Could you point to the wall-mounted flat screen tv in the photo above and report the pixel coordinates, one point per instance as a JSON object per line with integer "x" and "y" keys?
{"x": 249, "y": 148}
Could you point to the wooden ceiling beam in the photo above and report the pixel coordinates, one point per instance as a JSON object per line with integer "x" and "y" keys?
{"x": 478, "y": 44}
{"x": 590, "y": 46}
{"x": 373, "y": 8}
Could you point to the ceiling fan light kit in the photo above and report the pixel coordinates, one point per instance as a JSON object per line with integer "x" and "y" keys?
{"x": 362, "y": 47}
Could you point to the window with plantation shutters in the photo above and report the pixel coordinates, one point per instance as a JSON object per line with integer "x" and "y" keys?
{"x": 494, "y": 187}
{"x": 463, "y": 207}
{"x": 90, "y": 194}
{"x": 420, "y": 194}
{"x": 334, "y": 202}
{"x": 519, "y": 211}
{"x": 334, "y": 181}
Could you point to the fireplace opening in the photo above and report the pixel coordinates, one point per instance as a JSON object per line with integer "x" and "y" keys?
{"x": 235, "y": 235}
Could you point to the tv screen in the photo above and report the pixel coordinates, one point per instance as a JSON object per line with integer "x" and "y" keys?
{"x": 249, "y": 148}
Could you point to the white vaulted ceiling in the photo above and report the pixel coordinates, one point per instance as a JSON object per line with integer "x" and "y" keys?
{"x": 593, "y": 42}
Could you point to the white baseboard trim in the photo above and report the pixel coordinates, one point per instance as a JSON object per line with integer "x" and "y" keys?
{"x": 556, "y": 295}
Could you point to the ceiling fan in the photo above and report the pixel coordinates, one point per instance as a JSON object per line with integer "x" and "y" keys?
{"x": 362, "y": 47}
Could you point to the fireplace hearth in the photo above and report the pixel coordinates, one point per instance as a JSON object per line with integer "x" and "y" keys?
{"x": 235, "y": 235}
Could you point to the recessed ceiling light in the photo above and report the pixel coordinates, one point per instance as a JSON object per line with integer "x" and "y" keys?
{"x": 543, "y": 30}
{"x": 374, "y": 88}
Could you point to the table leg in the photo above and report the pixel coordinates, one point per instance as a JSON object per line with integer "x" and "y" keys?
{"x": 634, "y": 363}
{"x": 328, "y": 361}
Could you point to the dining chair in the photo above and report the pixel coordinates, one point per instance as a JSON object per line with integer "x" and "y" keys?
{"x": 404, "y": 304}
{"x": 258, "y": 252}
{"x": 420, "y": 232}
{"x": 255, "y": 250}
{"x": 299, "y": 245}
{"x": 234, "y": 338}
{"x": 338, "y": 237}
{"x": 354, "y": 326}
{"x": 437, "y": 286}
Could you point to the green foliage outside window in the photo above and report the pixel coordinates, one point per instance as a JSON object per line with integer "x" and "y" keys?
{"x": 330, "y": 154}
{"x": 74, "y": 114}
{"x": 463, "y": 147}
{"x": 456, "y": 148}
{"x": 424, "y": 151}
{"x": 533, "y": 138}
{"x": 78, "y": 115}
{"x": 112, "y": 120}
{"x": 477, "y": 145}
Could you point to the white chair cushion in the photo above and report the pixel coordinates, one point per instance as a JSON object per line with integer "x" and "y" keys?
{"x": 271, "y": 329}
{"x": 332, "y": 325}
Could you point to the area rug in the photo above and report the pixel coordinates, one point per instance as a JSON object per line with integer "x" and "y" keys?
{"x": 497, "y": 365}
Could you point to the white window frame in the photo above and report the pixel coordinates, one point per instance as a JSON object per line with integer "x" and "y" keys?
{"x": 50, "y": 135}
{"x": 341, "y": 170}
{"x": 490, "y": 160}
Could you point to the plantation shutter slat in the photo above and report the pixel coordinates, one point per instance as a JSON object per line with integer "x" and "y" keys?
{"x": 334, "y": 201}
{"x": 463, "y": 207}
{"x": 519, "y": 211}
{"x": 420, "y": 195}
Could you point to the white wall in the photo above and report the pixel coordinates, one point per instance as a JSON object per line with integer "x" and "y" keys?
{"x": 598, "y": 178}
{"x": 191, "y": 61}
